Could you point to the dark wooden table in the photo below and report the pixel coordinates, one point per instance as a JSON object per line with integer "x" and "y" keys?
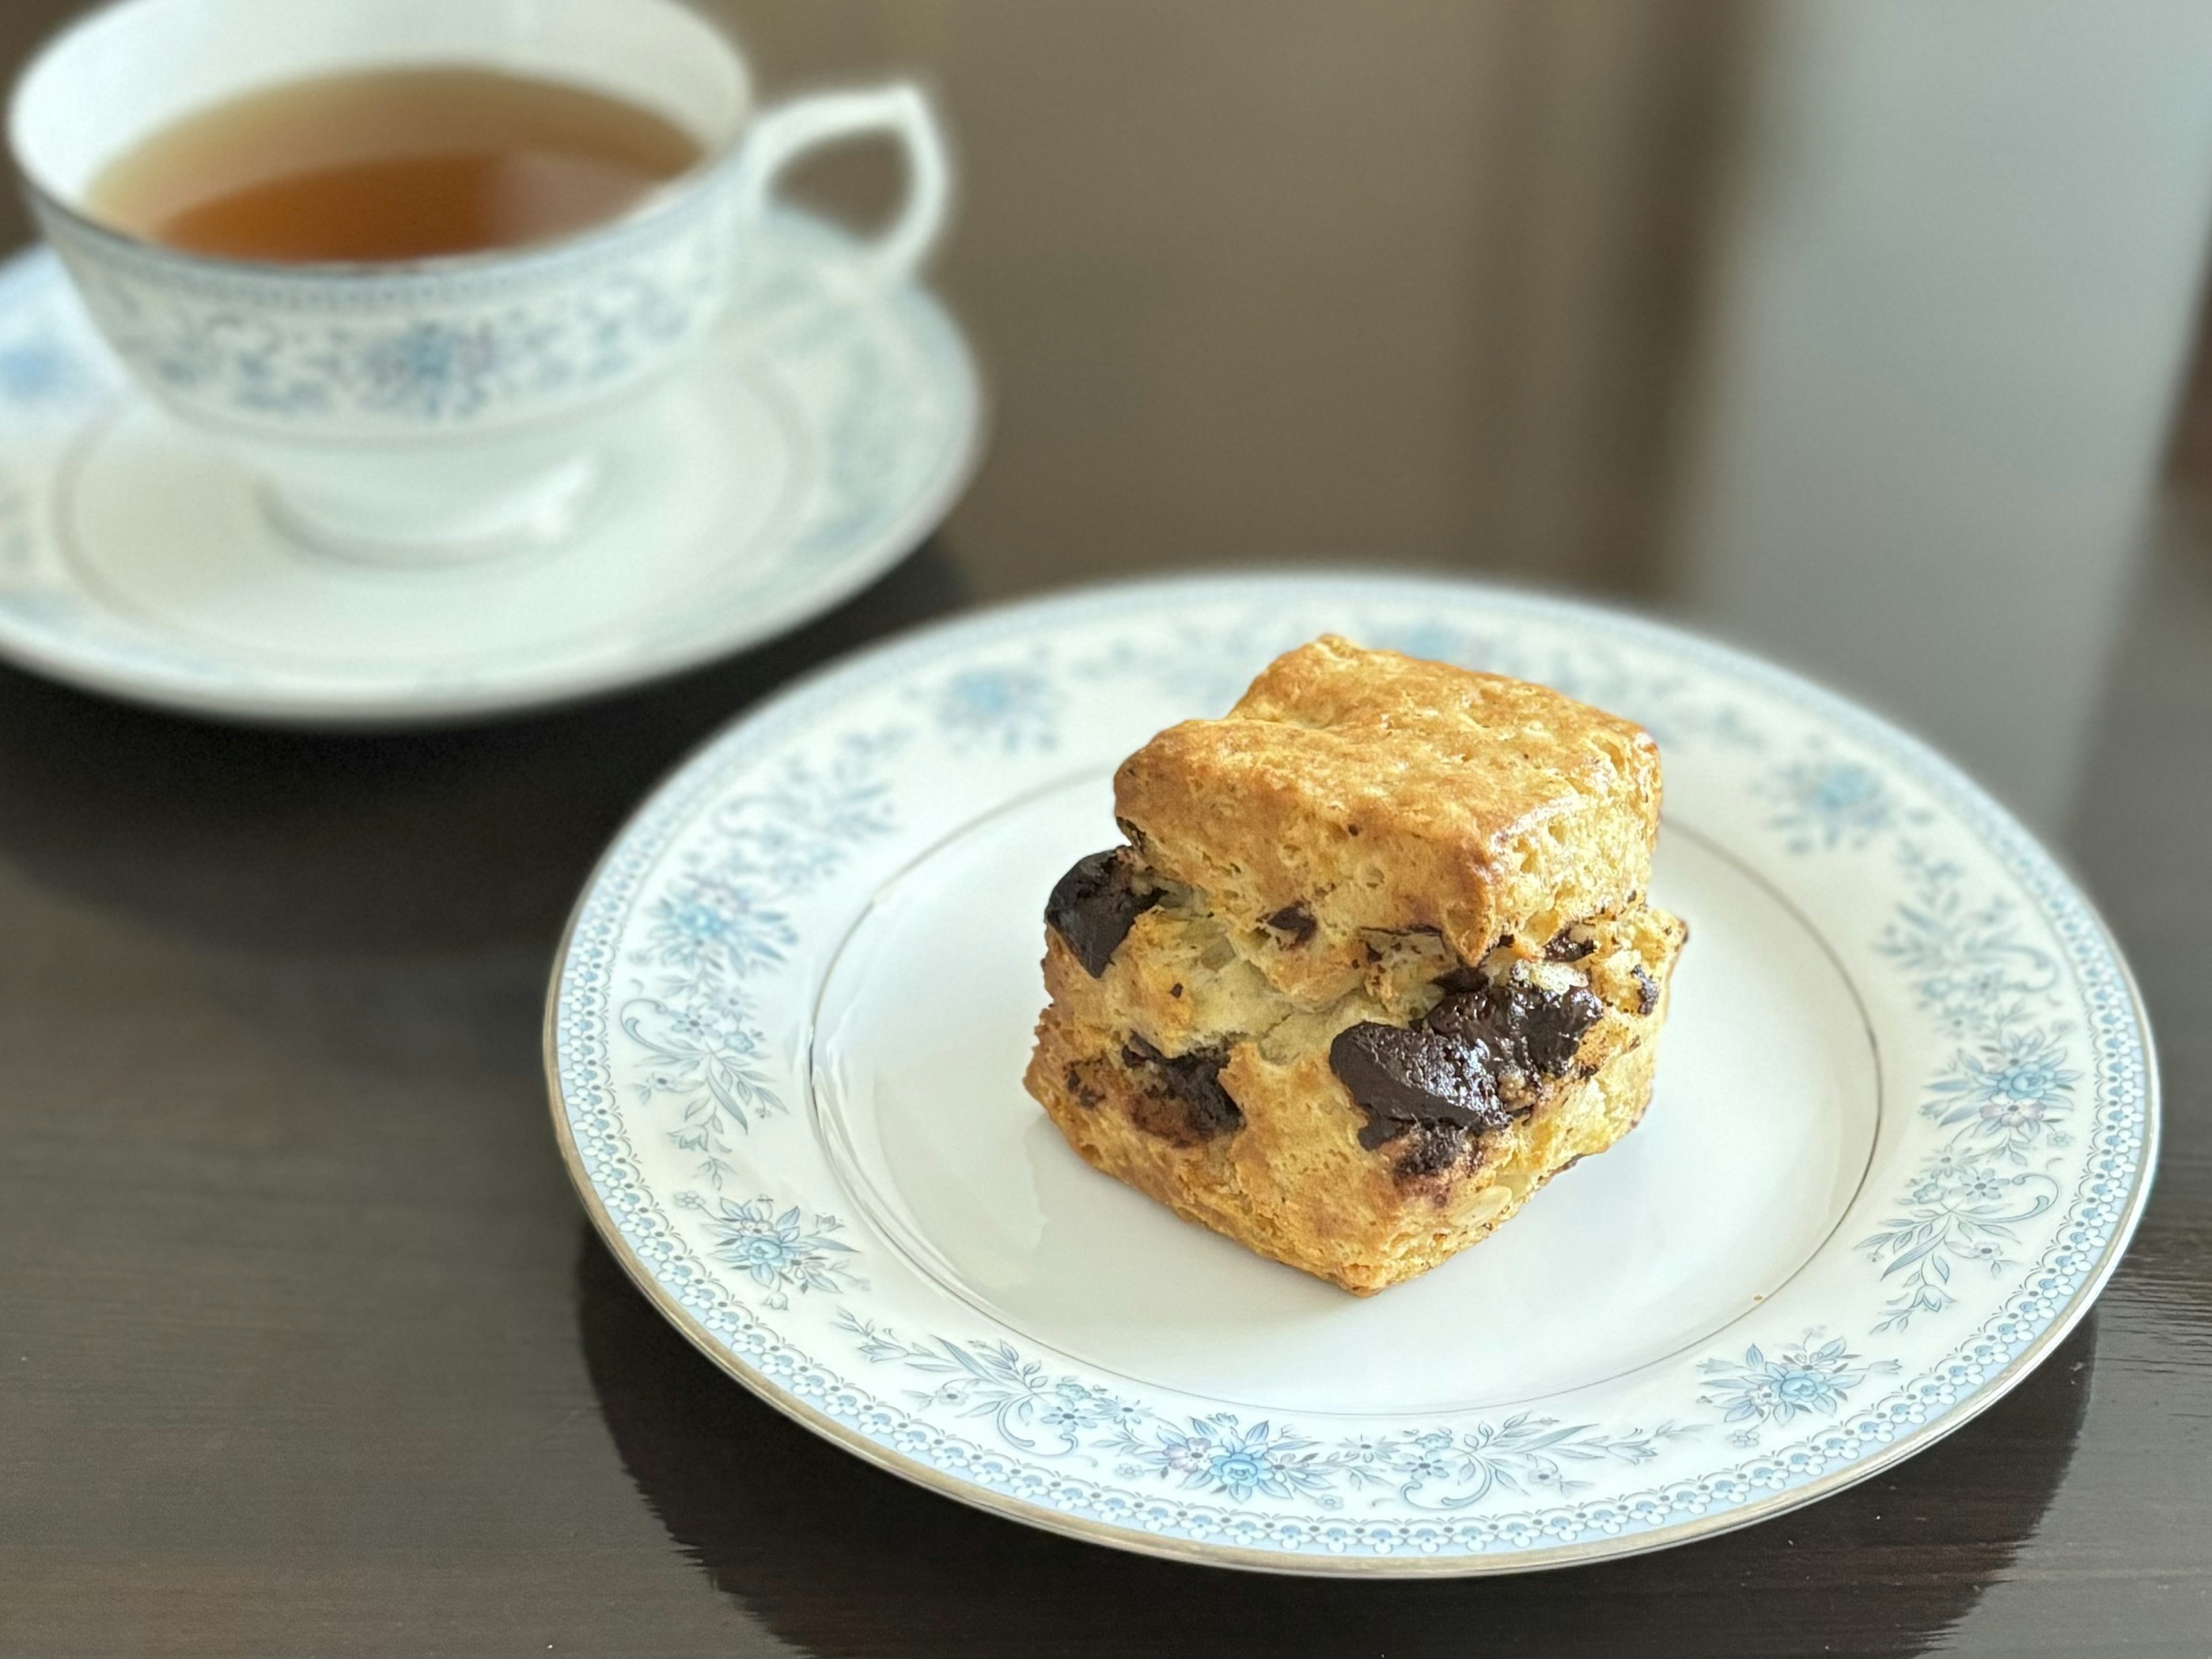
{"x": 305, "y": 1344}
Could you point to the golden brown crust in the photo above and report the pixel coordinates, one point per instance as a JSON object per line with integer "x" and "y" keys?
{"x": 1376, "y": 793}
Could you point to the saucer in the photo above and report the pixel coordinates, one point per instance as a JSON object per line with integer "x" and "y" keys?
{"x": 820, "y": 440}
{"x": 1904, "y": 1122}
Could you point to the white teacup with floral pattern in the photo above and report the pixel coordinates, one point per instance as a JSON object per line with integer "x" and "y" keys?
{"x": 439, "y": 408}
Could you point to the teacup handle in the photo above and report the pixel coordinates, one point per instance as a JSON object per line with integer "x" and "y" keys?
{"x": 901, "y": 112}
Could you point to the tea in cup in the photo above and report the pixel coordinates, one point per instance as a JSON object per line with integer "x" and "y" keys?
{"x": 407, "y": 259}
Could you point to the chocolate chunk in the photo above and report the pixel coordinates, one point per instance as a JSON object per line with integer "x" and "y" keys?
{"x": 1400, "y": 1075}
{"x": 1296, "y": 921}
{"x": 1530, "y": 1029}
{"x": 1095, "y": 904}
{"x": 1085, "y": 1095}
{"x": 1564, "y": 947}
{"x": 1183, "y": 1099}
{"x": 1485, "y": 1016}
{"x": 1472, "y": 1017}
{"x": 1550, "y": 1026}
{"x": 1647, "y": 990}
{"x": 1444, "y": 1073}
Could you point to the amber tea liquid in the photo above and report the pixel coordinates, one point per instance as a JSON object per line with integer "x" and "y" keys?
{"x": 392, "y": 164}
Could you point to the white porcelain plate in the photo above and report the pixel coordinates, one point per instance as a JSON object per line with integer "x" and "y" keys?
{"x": 1903, "y": 1126}
{"x": 819, "y": 440}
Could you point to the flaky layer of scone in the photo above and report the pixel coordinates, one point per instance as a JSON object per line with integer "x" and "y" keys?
{"x": 1186, "y": 978}
{"x": 1352, "y": 792}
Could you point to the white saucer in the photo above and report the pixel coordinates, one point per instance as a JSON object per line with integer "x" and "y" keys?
{"x": 820, "y": 443}
{"x": 1904, "y": 1117}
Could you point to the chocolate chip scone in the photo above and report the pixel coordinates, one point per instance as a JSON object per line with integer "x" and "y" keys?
{"x": 1375, "y": 965}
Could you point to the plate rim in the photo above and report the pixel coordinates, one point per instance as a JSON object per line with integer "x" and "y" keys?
{"x": 788, "y": 701}
{"x": 32, "y": 649}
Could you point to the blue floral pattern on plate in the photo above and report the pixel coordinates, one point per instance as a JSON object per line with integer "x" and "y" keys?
{"x": 1056, "y": 1415}
{"x": 2017, "y": 1128}
{"x": 781, "y": 1251}
{"x": 1809, "y": 1377}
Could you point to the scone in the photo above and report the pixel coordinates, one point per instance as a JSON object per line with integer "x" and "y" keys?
{"x": 1375, "y": 965}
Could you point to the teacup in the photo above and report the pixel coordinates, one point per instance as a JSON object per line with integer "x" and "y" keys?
{"x": 440, "y": 408}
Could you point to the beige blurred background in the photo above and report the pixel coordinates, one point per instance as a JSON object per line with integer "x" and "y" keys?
{"x": 1270, "y": 279}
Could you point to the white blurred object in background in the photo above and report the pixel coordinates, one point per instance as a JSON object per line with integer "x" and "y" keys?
{"x": 1951, "y": 317}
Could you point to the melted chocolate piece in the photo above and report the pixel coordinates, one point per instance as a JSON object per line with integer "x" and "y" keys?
{"x": 1085, "y": 1096}
{"x": 1095, "y": 904}
{"x": 1472, "y": 1016}
{"x": 1550, "y": 1026}
{"x": 1531, "y": 1030}
{"x": 1402, "y": 1075}
{"x": 1564, "y": 947}
{"x": 1183, "y": 1100}
{"x": 1443, "y": 1074}
{"x": 1647, "y": 990}
{"x": 1296, "y": 921}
